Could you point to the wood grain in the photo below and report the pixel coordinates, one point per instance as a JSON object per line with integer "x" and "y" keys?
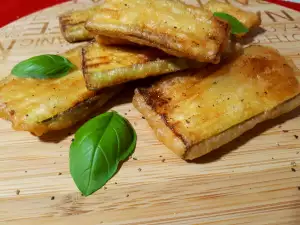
{"x": 249, "y": 181}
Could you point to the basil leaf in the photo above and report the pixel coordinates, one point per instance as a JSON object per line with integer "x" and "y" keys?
{"x": 99, "y": 146}
{"x": 43, "y": 67}
{"x": 236, "y": 26}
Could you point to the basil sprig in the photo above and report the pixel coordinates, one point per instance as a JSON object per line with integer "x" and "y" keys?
{"x": 99, "y": 146}
{"x": 236, "y": 26}
{"x": 43, "y": 67}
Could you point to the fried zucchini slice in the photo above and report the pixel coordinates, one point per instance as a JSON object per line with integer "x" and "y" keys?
{"x": 105, "y": 66}
{"x": 72, "y": 26}
{"x": 40, "y": 106}
{"x": 197, "y": 111}
{"x": 249, "y": 19}
{"x": 169, "y": 25}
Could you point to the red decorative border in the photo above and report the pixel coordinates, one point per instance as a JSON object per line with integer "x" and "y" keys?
{"x": 288, "y": 4}
{"x": 11, "y": 10}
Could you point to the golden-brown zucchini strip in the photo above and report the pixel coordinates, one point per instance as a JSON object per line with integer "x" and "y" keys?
{"x": 249, "y": 19}
{"x": 169, "y": 25}
{"x": 197, "y": 111}
{"x": 105, "y": 66}
{"x": 72, "y": 26}
{"x": 39, "y": 106}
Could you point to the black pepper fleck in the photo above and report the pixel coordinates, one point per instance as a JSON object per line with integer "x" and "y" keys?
{"x": 73, "y": 139}
{"x": 134, "y": 158}
{"x": 59, "y": 174}
{"x": 293, "y": 169}
{"x": 127, "y": 195}
{"x": 285, "y": 131}
{"x": 139, "y": 169}
{"x": 143, "y": 117}
{"x": 163, "y": 160}
{"x": 18, "y": 191}
{"x": 125, "y": 114}
{"x": 25, "y": 171}
{"x": 296, "y": 136}
{"x": 105, "y": 188}
{"x": 52, "y": 198}
{"x": 187, "y": 121}
{"x": 116, "y": 183}
{"x": 299, "y": 188}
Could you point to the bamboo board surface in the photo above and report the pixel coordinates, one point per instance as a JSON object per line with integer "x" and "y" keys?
{"x": 249, "y": 181}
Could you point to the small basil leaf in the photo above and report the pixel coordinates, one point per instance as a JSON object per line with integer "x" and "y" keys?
{"x": 236, "y": 26}
{"x": 98, "y": 148}
{"x": 43, "y": 67}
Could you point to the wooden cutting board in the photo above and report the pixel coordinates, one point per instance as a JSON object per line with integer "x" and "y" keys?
{"x": 253, "y": 180}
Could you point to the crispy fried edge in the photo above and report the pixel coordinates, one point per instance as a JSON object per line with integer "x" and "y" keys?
{"x": 105, "y": 40}
{"x": 140, "y": 37}
{"x": 63, "y": 25}
{"x": 176, "y": 142}
{"x": 76, "y": 113}
{"x": 95, "y": 101}
{"x": 167, "y": 43}
{"x": 101, "y": 39}
{"x": 167, "y": 65}
{"x": 69, "y": 117}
